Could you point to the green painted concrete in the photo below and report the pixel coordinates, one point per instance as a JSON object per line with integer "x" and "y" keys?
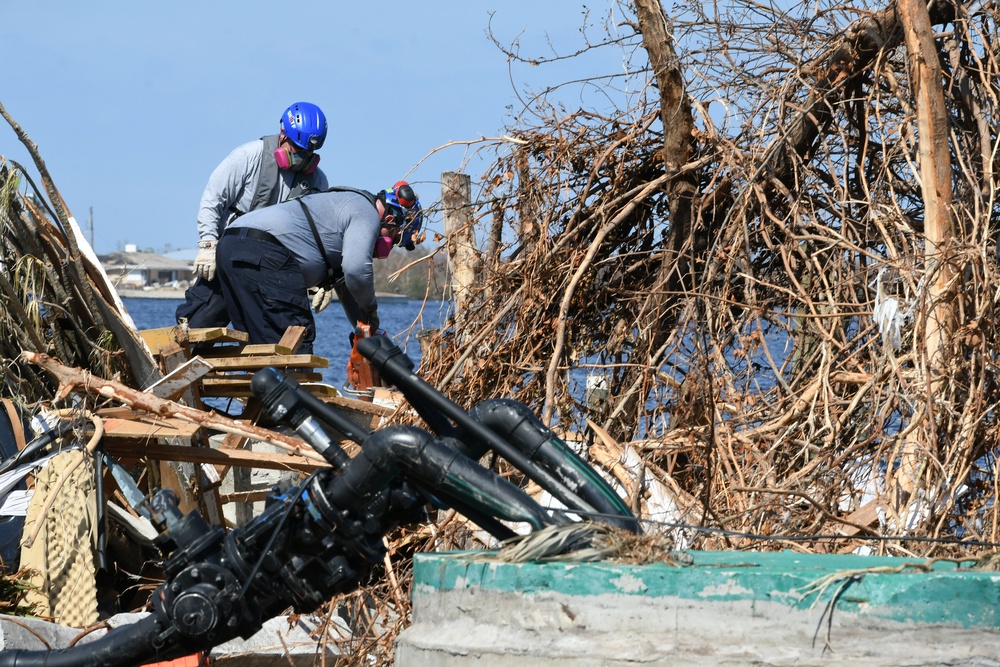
{"x": 946, "y": 594}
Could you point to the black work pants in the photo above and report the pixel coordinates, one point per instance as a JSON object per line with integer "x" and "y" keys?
{"x": 264, "y": 289}
{"x": 204, "y": 305}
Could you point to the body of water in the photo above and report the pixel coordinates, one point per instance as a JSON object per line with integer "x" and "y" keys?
{"x": 401, "y": 319}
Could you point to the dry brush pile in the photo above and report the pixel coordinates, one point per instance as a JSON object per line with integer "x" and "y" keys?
{"x": 777, "y": 250}
{"x": 773, "y": 242}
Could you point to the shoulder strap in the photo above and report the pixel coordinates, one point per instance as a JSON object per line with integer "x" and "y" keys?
{"x": 344, "y": 188}
{"x": 331, "y": 275}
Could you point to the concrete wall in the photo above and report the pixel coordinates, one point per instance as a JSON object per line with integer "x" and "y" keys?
{"x": 724, "y": 609}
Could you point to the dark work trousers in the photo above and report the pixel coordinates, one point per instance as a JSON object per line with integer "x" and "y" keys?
{"x": 264, "y": 288}
{"x": 204, "y": 306}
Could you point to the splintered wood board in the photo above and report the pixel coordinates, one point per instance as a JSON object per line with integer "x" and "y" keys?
{"x": 179, "y": 379}
{"x": 249, "y": 350}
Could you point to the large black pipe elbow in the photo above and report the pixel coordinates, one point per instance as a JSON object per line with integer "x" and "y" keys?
{"x": 415, "y": 453}
{"x": 471, "y": 435}
{"x": 518, "y": 425}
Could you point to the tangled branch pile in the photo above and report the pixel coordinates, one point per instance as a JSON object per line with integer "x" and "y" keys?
{"x": 53, "y": 297}
{"x": 776, "y": 252}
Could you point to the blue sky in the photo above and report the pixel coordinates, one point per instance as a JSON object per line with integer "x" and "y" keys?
{"x": 133, "y": 104}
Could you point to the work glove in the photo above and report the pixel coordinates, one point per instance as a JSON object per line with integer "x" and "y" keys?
{"x": 204, "y": 261}
{"x": 370, "y": 317}
{"x": 321, "y": 298}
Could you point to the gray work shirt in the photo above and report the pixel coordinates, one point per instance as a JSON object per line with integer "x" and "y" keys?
{"x": 232, "y": 186}
{"x": 348, "y": 224}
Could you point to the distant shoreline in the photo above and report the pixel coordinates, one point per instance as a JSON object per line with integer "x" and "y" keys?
{"x": 179, "y": 295}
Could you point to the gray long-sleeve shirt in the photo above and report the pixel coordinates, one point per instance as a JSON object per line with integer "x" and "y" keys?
{"x": 233, "y": 184}
{"x": 348, "y": 224}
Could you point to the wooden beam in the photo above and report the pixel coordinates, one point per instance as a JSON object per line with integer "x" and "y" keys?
{"x": 239, "y": 387}
{"x": 257, "y": 362}
{"x": 217, "y": 457}
{"x": 146, "y": 430}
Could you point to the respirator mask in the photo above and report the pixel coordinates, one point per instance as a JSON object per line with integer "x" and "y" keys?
{"x": 289, "y": 161}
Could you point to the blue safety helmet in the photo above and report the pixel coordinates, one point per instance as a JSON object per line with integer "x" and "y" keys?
{"x": 402, "y": 197}
{"x": 304, "y": 125}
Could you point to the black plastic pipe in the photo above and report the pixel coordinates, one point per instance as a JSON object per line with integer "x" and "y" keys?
{"x": 397, "y": 368}
{"x": 517, "y": 424}
{"x": 285, "y": 400}
{"x": 415, "y": 453}
{"x": 125, "y": 646}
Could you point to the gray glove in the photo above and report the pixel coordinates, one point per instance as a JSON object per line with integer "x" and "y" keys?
{"x": 321, "y": 298}
{"x": 204, "y": 262}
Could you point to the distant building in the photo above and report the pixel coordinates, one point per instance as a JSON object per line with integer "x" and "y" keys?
{"x": 132, "y": 269}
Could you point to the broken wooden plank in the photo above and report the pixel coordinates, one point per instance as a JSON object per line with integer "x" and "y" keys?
{"x": 861, "y": 519}
{"x": 244, "y": 497}
{"x": 238, "y": 386}
{"x": 217, "y": 335}
{"x": 274, "y": 348}
{"x": 363, "y": 407}
{"x": 179, "y": 379}
{"x": 157, "y": 339}
{"x": 288, "y": 344}
{"x": 292, "y": 338}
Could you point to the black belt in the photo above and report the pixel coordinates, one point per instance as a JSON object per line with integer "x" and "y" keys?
{"x": 258, "y": 234}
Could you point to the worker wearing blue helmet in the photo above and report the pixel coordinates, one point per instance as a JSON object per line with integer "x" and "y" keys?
{"x": 270, "y": 170}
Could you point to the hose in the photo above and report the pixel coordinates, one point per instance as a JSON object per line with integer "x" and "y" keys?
{"x": 125, "y": 646}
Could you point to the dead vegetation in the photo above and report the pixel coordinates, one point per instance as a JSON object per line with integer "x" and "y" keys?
{"x": 777, "y": 250}
{"x": 772, "y": 247}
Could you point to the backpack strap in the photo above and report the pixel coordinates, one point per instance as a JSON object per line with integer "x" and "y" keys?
{"x": 332, "y": 276}
{"x": 344, "y": 188}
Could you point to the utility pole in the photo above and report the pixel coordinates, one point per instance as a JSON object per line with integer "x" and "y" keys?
{"x": 90, "y": 226}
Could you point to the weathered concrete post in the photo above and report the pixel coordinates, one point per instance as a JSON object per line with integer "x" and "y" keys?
{"x": 456, "y": 193}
